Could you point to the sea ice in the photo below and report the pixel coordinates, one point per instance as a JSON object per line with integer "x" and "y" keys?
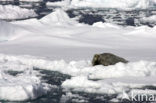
{"x": 15, "y": 12}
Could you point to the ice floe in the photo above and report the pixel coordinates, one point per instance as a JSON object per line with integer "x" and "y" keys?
{"x": 25, "y": 85}
{"x": 15, "y": 12}
{"x": 119, "y": 4}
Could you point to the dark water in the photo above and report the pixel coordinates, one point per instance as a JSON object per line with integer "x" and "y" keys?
{"x": 120, "y": 17}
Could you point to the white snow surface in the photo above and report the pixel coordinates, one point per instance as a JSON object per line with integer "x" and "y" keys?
{"x": 6, "y": 0}
{"x": 31, "y": 0}
{"x": 59, "y": 43}
{"x": 120, "y": 4}
{"x": 150, "y": 19}
{"x": 10, "y": 31}
{"x": 24, "y": 86}
{"x": 25, "y": 0}
{"x": 15, "y": 12}
{"x": 56, "y": 36}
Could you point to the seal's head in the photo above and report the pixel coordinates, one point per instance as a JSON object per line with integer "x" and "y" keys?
{"x": 95, "y": 60}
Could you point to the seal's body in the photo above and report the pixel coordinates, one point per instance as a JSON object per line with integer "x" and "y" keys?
{"x": 107, "y": 59}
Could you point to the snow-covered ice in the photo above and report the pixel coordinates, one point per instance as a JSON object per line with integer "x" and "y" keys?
{"x": 43, "y": 38}
{"x": 58, "y": 3}
{"x": 24, "y": 86}
{"x": 20, "y": 88}
{"x": 31, "y": 0}
{"x": 59, "y": 43}
{"x": 15, "y": 12}
{"x": 25, "y": 0}
{"x": 150, "y": 20}
{"x": 120, "y": 4}
{"x": 10, "y": 31}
